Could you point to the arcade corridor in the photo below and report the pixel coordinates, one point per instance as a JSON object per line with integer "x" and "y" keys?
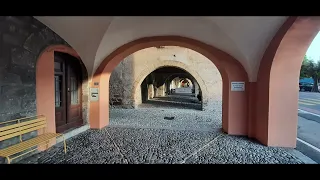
{"x": 146, "y": 136}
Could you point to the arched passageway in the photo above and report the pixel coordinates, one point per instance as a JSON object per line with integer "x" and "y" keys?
{"x": 234, "y": 102}
{"x": 126, "y": 79}
{"x": 136, "y": 88}
{"x": 170, "y": 87}
{"x": 275, "y": 117}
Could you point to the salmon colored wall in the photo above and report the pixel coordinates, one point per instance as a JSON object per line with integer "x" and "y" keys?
{"x": 277, "y": 84}
{"x": 252, "y": 107}
{"x": 45, "y": 83}
{"x": 235, "y": 112}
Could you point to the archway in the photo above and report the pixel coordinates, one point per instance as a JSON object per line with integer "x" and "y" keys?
{"x": 168, "y": 63}
{"x": 234, "y": 102}
{"x": 156, "y": 89}
{"x": 275, "y": 118}
{"x": 182, "y": 77}
{"x": 196, "y": 90}
{"x": 45, "y": 85}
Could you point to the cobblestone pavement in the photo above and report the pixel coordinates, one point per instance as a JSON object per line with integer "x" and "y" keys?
{"x": 152, "y": 115}
{"x": 155, "y": 118}
{"x": 135, "y": 145}
{"x": 143, "y": 136}
{"x": 184, "y": 101}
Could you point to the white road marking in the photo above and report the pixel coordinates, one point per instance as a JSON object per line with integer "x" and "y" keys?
{"x": 304, "y": 142}
{"x": 307, "y": 112}
{"x": 310, "y": 145}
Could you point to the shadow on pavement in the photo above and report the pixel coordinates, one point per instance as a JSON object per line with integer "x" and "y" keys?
{"x": 173, "y": 101}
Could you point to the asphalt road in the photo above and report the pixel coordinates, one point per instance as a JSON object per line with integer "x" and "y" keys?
{"x": 309, "y": 125}
{"x": 309, "y": 101}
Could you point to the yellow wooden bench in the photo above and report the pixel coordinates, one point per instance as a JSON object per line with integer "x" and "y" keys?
{"x": 18, "y": 127}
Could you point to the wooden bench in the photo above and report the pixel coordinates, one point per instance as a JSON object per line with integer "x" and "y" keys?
{"x": 18, "y": 127}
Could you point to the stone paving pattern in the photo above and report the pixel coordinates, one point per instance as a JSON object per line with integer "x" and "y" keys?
{"x": 152, "y": 113}
{"x": 143, "y": 136}
{"x": 151, "y": 146}
{"x": 173, "y": 101}
{"x": 154, "y": 118}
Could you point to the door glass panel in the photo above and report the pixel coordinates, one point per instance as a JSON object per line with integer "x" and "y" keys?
{"x": 74, "y": 91}
{"x": 58, "y": 66}
{"x": 58, "y": 90}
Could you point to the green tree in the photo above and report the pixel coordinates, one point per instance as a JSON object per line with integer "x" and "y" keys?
{"x": 310, "y": 68}
{"x": 303, "y": 73}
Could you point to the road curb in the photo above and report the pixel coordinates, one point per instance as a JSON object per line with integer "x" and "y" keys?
{"x": 305, "y": 159}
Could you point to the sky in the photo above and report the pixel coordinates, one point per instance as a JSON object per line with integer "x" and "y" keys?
{"x": 314, "y": 49}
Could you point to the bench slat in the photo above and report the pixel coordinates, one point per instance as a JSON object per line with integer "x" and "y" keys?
{"x": 21, "y": 128}
{"x": 21, "y": 132}
{"x": 21, "y": 124}
{"x": 23, "y": 119}
{"x": 27, "y": 144}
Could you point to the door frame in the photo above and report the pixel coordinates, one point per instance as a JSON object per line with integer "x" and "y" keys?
{"x": 66, "y": 92}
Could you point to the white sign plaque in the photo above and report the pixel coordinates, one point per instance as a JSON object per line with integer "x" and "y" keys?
{"x": 237, "y": 86}
{"x": 94, "y": 94}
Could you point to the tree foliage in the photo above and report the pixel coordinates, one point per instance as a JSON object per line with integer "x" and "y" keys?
{"x": 303, "y": 72}
{"x": 311, "y": 69}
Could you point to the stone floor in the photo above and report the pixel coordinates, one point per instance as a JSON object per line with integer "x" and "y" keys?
{"x": 176, "y": 101}
{"x": 149, "y": 146}
{"x": 184, "y": 119}
{"x": 143, "y": 136}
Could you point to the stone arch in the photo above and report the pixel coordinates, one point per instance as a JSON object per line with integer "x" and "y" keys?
{"x": 184, "y": 76}
{"x": 234, "y": 106}
{"x": 45, "y": 84}
{"x": 277, "y": 83}
{"x": 168, "y": 63}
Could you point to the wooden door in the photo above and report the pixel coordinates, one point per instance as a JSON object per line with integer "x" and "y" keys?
{"x": 74, "y": 91}
{"x": 60, "y": 92}
{"x": 68, "y": 90}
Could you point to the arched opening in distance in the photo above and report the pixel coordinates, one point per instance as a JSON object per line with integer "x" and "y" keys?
{"x": 170, "y": 87}
{"x": 136, "y": 88}
{"x": 278, "y": 82}
{"x": 234, "y": 115}
{"x": 309, "y": 103}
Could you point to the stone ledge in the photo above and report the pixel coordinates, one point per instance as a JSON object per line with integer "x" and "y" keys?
{"x": 74, "y": 132}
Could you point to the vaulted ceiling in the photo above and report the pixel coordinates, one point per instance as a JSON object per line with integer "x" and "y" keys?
{"x": 245, "y": 38}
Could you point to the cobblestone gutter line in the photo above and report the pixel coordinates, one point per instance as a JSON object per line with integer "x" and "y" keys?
{"x": 200, "y": 149}
{"x": 114, "y": 143}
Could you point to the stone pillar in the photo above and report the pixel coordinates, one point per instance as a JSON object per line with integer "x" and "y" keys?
{"x": 160, "y": 91}
{"x": 196, "y": 88}
{"x": 144, "y": 92}
{"x": 175, "y": 83}
{"x": 150, "y": 91}
{"x": 168, "y": 85}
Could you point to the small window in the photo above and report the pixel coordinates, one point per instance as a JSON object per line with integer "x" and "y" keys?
{"x": 58, "y": 66}
{"x": 74, "y": 91}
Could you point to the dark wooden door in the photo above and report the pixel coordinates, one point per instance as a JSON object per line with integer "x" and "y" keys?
{"x": 68, "y": 82}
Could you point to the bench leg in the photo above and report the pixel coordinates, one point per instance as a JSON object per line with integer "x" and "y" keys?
{"x": 65, "y": 145}
{"x": 8, "y": 159}
{"x": 47, "y": 145}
